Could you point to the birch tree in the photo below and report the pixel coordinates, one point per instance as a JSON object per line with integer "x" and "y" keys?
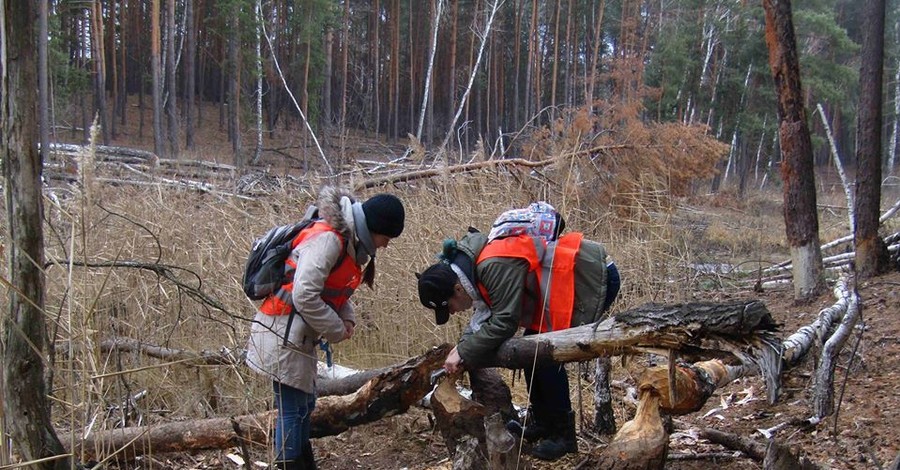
{"x": 171, "y": 88}
{"x": 155, "y": 71}
{"x": 438, "y": 9}
{"x": 491, "y": 14}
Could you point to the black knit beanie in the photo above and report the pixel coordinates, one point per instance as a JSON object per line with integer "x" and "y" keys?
{"x": 384, "y": 215}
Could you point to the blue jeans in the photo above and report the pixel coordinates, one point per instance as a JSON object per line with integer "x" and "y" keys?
{"x": 292, "y": 427}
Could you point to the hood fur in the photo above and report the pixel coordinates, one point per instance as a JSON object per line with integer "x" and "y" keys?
{"x": 331, "y": 210}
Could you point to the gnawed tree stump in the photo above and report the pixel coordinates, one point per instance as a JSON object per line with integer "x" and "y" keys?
{"x": 456, "y": 416}
{"x": 642, "y": 443}
{"x": 388, "y": 394}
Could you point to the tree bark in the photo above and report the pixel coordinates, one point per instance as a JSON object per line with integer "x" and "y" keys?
{"x": 43, "y": 80}
{"x": 99, "y": 61}
{"x": 158, "y": 146}
{"x": 604, "y": 419}
{"x": 189, "y": 73}
{"x": 171, "y": 86}
{"x": 871, "y": 253}
{"x": 25, "y": 407}
{"x": 797, "y": 171}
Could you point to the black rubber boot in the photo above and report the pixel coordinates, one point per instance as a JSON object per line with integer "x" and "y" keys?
{"x": 562, "y": 440}
{"x": 288, "y": 465}
{"x": 308, "y": 457}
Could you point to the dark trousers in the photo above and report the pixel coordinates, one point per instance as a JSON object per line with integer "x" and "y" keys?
{"x": 548, "y": 385}
{"x": 549, "y": 389}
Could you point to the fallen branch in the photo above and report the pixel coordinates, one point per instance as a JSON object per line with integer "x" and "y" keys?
{"x": 823, "y": 392}
{"x": 468, "y": 167}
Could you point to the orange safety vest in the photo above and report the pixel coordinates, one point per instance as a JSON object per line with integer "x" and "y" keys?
{"x": 339, "y": 286}
{"x": 554, "y": 266}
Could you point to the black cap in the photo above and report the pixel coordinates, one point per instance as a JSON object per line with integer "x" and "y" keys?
{"x": 384, "y": 215}
{"x": 436, "y": 286}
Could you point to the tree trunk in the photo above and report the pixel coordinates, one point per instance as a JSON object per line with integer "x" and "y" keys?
{"x": 432, "y": 51}
{"x": 797, "y": 171}
{"x": 114, "y": 89}
{"x": 345, "y": 52}
{"x": 519, "y": 8}
{"x": 158, "y": 146}
{"x": 555, "y": 73}
{"x": 451, "y": 67}
{"x": 595, "y": 56}
{"x": 189, "y": 73}
{"x": 25, "y": 407}
{"x": 397, "y": 21}
{"x": 43, "y": 80}
{"x": 99, "y": 61}
{"x": 675, "y": 326}
{"x": 871, "y": 253}
{"x": 375, "y": 57}
{"x": 604, "y": 419}
{"x": 171, "y": 86}
{"x": 234, "y": 93}
{"x": 327, "y": 113}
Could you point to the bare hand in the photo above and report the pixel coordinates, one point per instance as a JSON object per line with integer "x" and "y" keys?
{"x": 348, "y": 329}
{"x": 453, "y": 363}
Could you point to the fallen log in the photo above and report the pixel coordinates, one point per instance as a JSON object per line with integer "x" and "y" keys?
{"x": 390, "y": 393}
{"x": 648, "y": 328}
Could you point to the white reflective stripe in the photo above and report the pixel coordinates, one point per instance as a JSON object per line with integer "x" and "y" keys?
{"x": 546, "y": 269}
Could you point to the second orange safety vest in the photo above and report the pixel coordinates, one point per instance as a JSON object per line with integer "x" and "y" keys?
{"x": 554, "y": 266}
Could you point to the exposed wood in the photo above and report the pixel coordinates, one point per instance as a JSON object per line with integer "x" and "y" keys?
{"x": 501, "y": 445}
{"x": 642, "y": 443}
{"x": 457, "y": 417}
{"x": 388, "y": 394}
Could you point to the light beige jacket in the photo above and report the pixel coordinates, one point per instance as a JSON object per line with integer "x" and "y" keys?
{"x": 294, "y": 363}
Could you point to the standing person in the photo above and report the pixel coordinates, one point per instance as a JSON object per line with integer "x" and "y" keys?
{"x": 327, "y": 259}
{"x": 506, "y": 280}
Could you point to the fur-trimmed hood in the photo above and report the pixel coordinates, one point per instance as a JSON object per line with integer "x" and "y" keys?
{"x": 335, "y": 208}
